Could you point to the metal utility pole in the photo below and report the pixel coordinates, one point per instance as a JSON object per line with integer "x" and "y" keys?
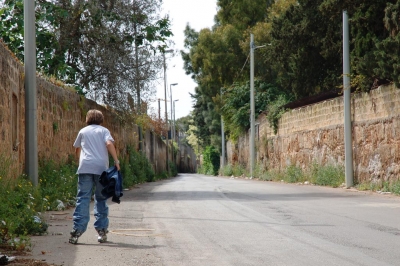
{"x": 253, "y": 47}
{"x": 159, "y": 110}
{"x": 165, "y": 99}
{"x": 31, "y": 149}
{"x": 252, "y": 107}
{"x": 170, "y": 90}
{"x": 172, "y": 140}
{"x": 348, "y": 145}
{"x": 222, "y": 140}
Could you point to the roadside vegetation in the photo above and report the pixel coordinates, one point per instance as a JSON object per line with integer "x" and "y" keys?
{"x": 22, "y": 205}
{"x": 322, "y": 175}
{"x": 211, "y": 161}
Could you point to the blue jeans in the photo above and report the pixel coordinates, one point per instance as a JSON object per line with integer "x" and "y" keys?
{"x": 82, "y": 211}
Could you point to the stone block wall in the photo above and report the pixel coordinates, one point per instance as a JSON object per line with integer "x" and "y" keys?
{"x": 315, "y": 133}
{"x": 60, "y": 115}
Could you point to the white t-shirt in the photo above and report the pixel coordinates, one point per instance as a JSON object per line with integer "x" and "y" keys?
{"x": 94, "y": 154}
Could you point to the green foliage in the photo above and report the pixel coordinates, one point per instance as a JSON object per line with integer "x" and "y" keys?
{"x": 242, "y": 14}
{"x": 236, "y": 105}
{"x": 236, "y": 170}
{"x": 57, "y": 182}
{"x": 21, "y": 203}
{"x": 298, "y": 54}
{"x": 323, "y": 175}
{"x": 275, "y": 111}
{"x": 227, "y": 170}
{"x": 173, "y": 171}
{"x": 293, "y": 174}
{"x": 87, "y": 43}
{"x": 213, "y": 59}
{"x": 239, "y": 170}
{"x": 55, "y": 127}
{"x": 193, "y": 141}
{"x": 327, "y": 175}
{"x": 388, "y": 50}
{"x": 211, "y": 161}
{"x": 136, "y": 168}
{"x": 392, "y": 186}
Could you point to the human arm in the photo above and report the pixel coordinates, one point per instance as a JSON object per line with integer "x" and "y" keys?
{"x": 111, "y": 149}
{"x": 77, "y": 152}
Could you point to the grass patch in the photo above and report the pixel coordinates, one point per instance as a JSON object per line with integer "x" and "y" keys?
{"x": 379, "y": 185}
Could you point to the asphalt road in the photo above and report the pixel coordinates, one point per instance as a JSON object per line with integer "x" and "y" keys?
{"x": 201, "y": 220}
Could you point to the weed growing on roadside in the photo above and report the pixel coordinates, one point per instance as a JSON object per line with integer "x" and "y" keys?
{"x": 379, "y": 185}
{"x": 57, "y": 183}
{"x": 327, "y": 175}
{"x": 272, "y": 175}
{"x": 238, "y": 170}
{"x": 21, "y": 204}
{"x": 229, "y": 170}
{"x": 226, "y": 170}
{"x": 293, "y": 174}
{"x": 137, "y": 169}
{"x": 324, "y": 175}
{"x": 19, "y": 211}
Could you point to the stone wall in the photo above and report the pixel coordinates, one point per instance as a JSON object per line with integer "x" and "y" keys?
{"x": 315, "y": 133}
{"x": 60, "y": 115}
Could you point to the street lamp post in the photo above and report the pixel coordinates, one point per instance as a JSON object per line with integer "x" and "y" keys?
{"x": 170, "y": 95}
{"x": 165, "y": 96}
{"x": 31, "y": 139}
{"x": 174, "y": 127}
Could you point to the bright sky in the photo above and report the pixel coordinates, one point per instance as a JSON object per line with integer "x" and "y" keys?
{"x": 199, "y": 14}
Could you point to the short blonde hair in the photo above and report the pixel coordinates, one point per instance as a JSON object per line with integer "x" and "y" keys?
{"x": 94, "y": 117}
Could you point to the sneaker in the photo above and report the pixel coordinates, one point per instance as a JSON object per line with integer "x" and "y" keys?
{"x": 102, "y": 235}
{"x": 75, "y": 234}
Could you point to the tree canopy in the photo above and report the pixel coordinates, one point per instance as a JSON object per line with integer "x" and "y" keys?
{"x": 301, "y": 55}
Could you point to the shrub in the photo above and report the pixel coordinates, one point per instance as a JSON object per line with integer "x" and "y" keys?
{"x": 238, "y": 170}
{"x": 211, "y": 161}
{"x": 226, "y": 170}
{"x": 57, "y": 183}
{"x": 327, "y": 175}
{"x": 137, "y": 169}
{"x": 21, "y": 204}
{"x": 293, "y": 174}
{"x": 173, "y": 171}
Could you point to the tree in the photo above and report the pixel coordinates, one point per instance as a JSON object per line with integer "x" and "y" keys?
{"x": 388, "y": 50}
{"x": 101, "y": 47}
{"x": 241, "y": 14}
{"x": 236, "y": 105}
{"x": 214, "y": 60}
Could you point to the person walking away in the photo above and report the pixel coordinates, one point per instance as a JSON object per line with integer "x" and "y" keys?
{"x": 92, "y": 146}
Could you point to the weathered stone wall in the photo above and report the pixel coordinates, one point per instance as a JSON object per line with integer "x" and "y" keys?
{"x": 60, "y": 115}
{"x": 186, "y": 159}
{"x": 315, "y": 133}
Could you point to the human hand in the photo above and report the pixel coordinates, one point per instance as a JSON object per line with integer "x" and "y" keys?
{"x": 117, "y": 165}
